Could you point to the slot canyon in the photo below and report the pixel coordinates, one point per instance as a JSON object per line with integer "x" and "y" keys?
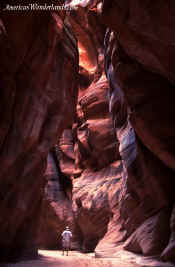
{"x": 87, "y": 131}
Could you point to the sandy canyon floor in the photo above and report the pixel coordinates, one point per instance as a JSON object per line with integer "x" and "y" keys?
{"x": 76, "y": 259}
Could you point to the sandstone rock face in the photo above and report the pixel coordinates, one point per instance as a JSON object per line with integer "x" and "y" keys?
{"x": 37, "y": 103}
{"x": 97, "y": 146}
{"x": 67, "y": 157}
{"x": 89, "y": 153}
{"x": 92, "y": 138}
{"x": 139, "y": 50}
{"x": 112, "y": 186}
{"x": 151, "y": 237}
{"x": 56, "y": 212}
{"x": 95, "y": 198}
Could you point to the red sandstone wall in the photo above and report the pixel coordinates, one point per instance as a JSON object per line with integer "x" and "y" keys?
{"x": 123, "y": 178}
{"x": 140, "y": 69}
{"x": 34, "y": 111}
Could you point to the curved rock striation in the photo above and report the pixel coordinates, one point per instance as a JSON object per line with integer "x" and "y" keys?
{"x": 97, "y": 166}
{"x": 140, "y": 70}
{"x": 112, "y": 185}
{"x": 95, "y": 198}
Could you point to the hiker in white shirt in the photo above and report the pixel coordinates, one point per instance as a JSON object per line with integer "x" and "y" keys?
{"x": 66, "y": 240}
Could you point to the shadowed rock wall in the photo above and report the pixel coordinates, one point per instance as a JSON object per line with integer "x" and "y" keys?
{"x": 37, "y": 103}
{"x": 123, "y": 178}
{"x": 139, "y": 49}
{"x": 56, "y": 210}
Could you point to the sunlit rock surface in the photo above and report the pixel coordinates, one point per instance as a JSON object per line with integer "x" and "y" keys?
{"x": 37, "y": 103}
{"x": 139, "y": 64}
{"x": 90, "y": 152}
{"x": 121, "y": 258}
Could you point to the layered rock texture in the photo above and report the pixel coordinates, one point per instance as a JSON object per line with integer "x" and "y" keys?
{"x": 37, "y": 103}
{"x": 143, "y": 116}
{"x": 139, "y": 49}
{"x": 89, "y": 150}
{"x": 65, "y": 160}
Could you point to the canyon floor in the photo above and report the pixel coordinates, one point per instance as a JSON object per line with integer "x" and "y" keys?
{"x": 76, "y": 259}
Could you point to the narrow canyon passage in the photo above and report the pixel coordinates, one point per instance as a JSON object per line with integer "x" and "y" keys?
{"x": 87, "y": 132}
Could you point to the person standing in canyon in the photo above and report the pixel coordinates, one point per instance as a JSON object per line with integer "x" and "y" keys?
{"x": 66, "y": 240}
